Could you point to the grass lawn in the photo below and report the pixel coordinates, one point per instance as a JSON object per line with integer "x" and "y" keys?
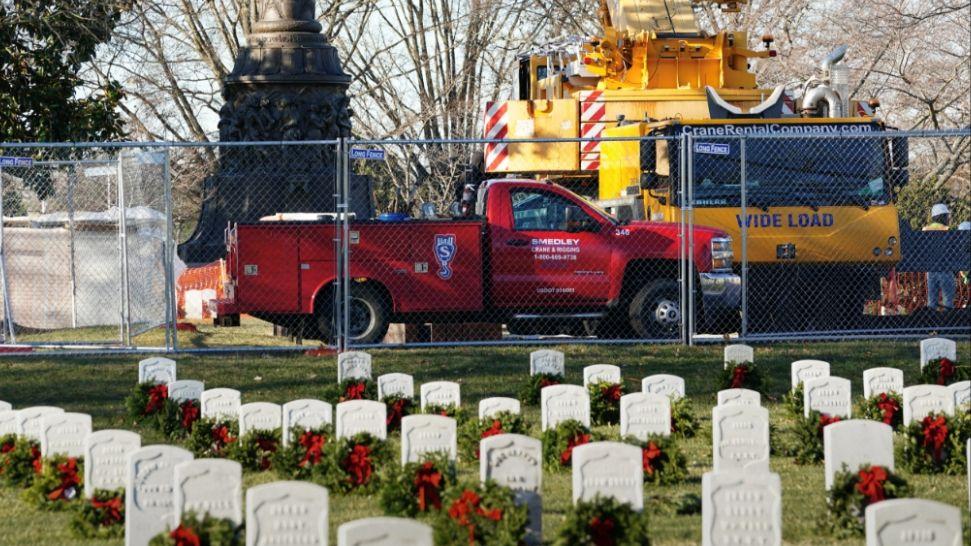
{"x": 98, "y": 385}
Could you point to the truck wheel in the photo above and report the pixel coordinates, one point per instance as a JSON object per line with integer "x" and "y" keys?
{"x": 368, "y": 321}
{"x": 655, "y": 312}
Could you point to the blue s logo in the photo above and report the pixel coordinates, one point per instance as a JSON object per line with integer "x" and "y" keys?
{"x": 445, "y": 252}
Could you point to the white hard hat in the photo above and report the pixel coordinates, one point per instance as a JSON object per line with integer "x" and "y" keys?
{"x": 964, "y": 226}
{"x": 939, "y": 209}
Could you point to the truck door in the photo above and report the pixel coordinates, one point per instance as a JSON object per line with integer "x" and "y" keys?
{"x": 538, "y": 261}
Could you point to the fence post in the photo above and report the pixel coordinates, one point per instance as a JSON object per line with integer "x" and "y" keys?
{"x": 168, "y": 258}
{"x": 345, "y": 246}
{"x": 7, "y": 312}
{"x": 123, "y": 240}
{"x": 682, "y": 240}
{"x": 71, "y": 183}
{"x": 744, "y": 242}
{"x": 338, "y": 296}
{"x": 689, "y": 200}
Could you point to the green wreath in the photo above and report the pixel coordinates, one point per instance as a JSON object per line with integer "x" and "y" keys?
{"x": 745, "y": 375}
{"x": 205, "y": 531}
{"x": 355, "y": 464}
{"x": 852, "y": 492}
{"x": 305, "y": 456}
{"x": 255, "y": 450}
{"x": 936, "y": 444}
{"x": 399, "y": 407}
{"x": 605, "y": 402}
{"x": 418, "y": 487}
{"x": 480, "y": 515}
{"x": 212, "y": 437}
{"x": 603, "y": 520}
{"x": 459, "y": 413}
{"x": 807, "y": 442}
{"x": 529, "y": 395}
{"x": 101, "y": 516}
{"x": 944, "y": 371}
{"x": 58, "y": 485}
{"x": 559, "y": 441}
{"x": 147, "y": 403}
{"x": 20, "y": 461}
{"x": 886, "y": 407}
{"x": 357, "y": 388}
{"x": 663, "y": 461}
{"x": 471, "y": 432}
{"x": 793, "y": 401}
{"x": 177, "y": 418}
{"x": 684, "y": 424}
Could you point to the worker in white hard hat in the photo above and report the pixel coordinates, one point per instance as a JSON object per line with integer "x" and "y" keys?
{"x": 940, "y": 284}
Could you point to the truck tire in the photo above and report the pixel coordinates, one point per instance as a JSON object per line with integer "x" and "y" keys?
{"x": 368, "y": 320}
{"x": 655, "y": 311}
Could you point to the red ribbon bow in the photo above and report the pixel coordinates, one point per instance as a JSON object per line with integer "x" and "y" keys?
{"x": 267, "y": 447}
{"x": 825, "y": 419}
{"x": 395, "y": 412}
{"x": 567, "y": 455}
{"x": 221, "y": 437}
{"x": 7, "y": 447}
{"x": 465, "y": 506}
{"x": 935, "y": 434}
{"x": 739, "y": 373}
{"x": 313, "y": 445}
{"x": 945, "y": 371}
{"x": 428, "y": 482}
{"x": 157, "y": 396}
{"x": 602, "y": 531}
{"x": 110, "y": 510}
{"x": 358, "y": 465}
{"x": 190, "y": 413}
{"x": 547, "y": 382}
{"x": 354, "y": 391}
{"x": 67, "y": 472}
{"x": 648, "y": 455}
{"x": 871, "y": 483}
{"x": 185, "y": 536}
{"x": 888, "y": 407}
{"x": 611, "y": 393}
{"x": 35, "y": 460}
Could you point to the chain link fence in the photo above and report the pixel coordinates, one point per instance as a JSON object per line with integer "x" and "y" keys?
{"x": 694, "y": 236}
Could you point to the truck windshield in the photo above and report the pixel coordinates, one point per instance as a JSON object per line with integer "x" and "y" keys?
{"x": 791, "y": 172}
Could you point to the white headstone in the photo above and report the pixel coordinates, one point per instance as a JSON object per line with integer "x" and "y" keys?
{"x": 426, "y": 434}
{"x": 740, "y": 397}
{"x": 855, "y": 443}
{"x": 601, "y": 373}
{"x": 662, "y": 383}
{"x": 547, "y": 361}
{"x": 962, "y": 394}
{"x": 186, "y": 389}
{"x": 882, "y": 380}
{"x": 356, "y": 416}
{"x": 291, "y": 512}
{"x": 560, "y": 403}
{"x": 905, "y": 522}
{"x": 209, "y": 486}
{"x": 29, "y": 419}
{"x": 305, "y": 414}
{"x": 259, "y": 416}
{"x": 63, "y": 434}
{"x": 801, "y": 370}
{"x": 5, "y": 406}
{"x": 220, "y": 404}
{"x": 149, "y": 491}
{"x": 741, "y": 508}
{"x": 8, "y": 422}
{"x": 829, "y": 395}
{"x": 384, "y": 531}
{"x": 740, "y": 438}
{"x": 937, "y": 347}
{"x": 106, "y": 459}
{"x": 643, "y": 414}
{"x": 739, "y": 354}
{"x": 516, "y": 461}
{"x": 498, "y": 404}
{"x": 396, "y": 384}
{"x": 440, "y": 393}
{"x": 353, "y": 365}
{"x": 609, "y": 469}
{"x": 156, "y": 370}
{"x": 922, "y": 400}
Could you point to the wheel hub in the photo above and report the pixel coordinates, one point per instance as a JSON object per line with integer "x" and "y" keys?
{"x": 667, "y": 313}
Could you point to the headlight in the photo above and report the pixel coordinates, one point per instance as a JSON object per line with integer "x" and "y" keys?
{"x": 722, "y": 254}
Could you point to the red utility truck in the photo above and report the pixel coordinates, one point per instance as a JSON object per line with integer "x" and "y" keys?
{"x": 532, "y": 251}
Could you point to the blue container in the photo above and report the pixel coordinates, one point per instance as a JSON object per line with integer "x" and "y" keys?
{"x": 392, "y": 217}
